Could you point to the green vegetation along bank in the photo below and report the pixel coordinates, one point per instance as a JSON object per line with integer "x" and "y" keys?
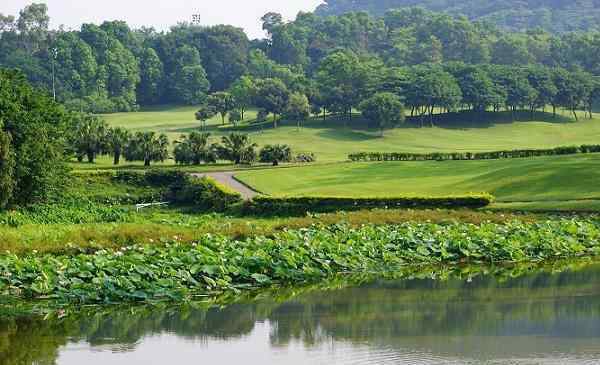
{"x": 175, "y": 270}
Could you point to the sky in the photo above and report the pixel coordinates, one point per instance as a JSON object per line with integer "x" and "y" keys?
{"x": 161, "y": 14}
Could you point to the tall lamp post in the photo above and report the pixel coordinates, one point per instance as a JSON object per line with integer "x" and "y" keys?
{"x": 54, "y": 57}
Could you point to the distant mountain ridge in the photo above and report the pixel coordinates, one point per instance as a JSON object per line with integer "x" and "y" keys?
{"x": 556, "y": 16}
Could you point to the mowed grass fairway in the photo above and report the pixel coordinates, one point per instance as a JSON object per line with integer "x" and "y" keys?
{"x": 562, "y": 182}
{"x": 333, "y": 139}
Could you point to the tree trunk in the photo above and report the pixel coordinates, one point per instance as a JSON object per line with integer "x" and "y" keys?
{"x": 117, "y": 158}
{"x": 275, "y": 163}
{"x": 243, "y": 110}
{"x": 575, "y": 115}
{"x": 554, "y": 111}
{"x": 90, "y": 156}
{"x": 146, "y": 162}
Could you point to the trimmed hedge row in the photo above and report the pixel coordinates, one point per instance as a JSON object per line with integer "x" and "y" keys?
{"x": 204, "y": 194}
{"x": 494, "y": 155}
{"x": 269, "y": 205}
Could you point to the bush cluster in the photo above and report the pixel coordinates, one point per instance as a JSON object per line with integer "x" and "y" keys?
{"x": 180, "y": 188}
{"x": 157, "y": 178}
{"x": 268, "y": 205}
{"x": 306, "y": 157}
{"x": 73, "y": 212}
{"x": 204, "y": 194}
{"x": 494, "y": 155}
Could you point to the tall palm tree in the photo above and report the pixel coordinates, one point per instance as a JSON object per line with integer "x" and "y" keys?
{"x": 195, "y": 149}
{"x": 117, "y": 139}
{"x": 89, "y": 137}
{"x": 147, "y": 147}
{"x": 237, "y": 148}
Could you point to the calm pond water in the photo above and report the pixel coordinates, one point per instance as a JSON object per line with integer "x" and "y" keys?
{"x": 533, "y": 318}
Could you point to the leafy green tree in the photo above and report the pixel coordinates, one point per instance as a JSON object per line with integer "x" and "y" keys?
{"x": 243, "y": 91}
{"x": 89, "y": 137}
{"x": 275, "y": 154}
{"x": 116, "y": 141}
{"x": 270, "y": 21}
{"x": 188, "y": 82}
{"x": 33, "y": 133}
{"x": 298, "y": 108}
{"x": 224, "y": 54}
{"x": 7, "y": 168}
{"x": 478, "y": 90}
{"x": 195, "y": 149}
{"x": 7, "y": 23}
{"x": 205, "y": 113}
{"x": 237, "y": 148}
{"x": 273, "y": 97}
{"x": 384, "y": 110}
{"x": 540, "y": 78}
{"x": 222, "y": 102}
{"x": 75, "y": 67}
{"x": 428, "y": 87}
{"x": 192, "y": 85}
{"x": 514, "y": 81}
{"x": 573, "y": 90}
{"x": 148, "y": 147}
{"x": 343, "y": 80}
{"x": 594, "y": 95}
{"x": 33, "y": 26}
{"x": 235, "y": 116}
{"x": 511, "y": 50}
{"x": 151, "y": 77}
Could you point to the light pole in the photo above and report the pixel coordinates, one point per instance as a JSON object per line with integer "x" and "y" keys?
{"x": 54, "y": 56}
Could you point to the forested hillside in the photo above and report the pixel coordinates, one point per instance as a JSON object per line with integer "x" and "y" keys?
{"x": 520, "y": 15}
{"x": 111, "y": 67}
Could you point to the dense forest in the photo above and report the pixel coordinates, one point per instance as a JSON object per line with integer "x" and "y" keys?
{"x": 551, "y": 15}
{"x": 111, "y": 67}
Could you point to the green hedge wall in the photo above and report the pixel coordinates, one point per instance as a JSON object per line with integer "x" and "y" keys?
{"x": 267, "y": 205}
{"x": 495, "y": 155}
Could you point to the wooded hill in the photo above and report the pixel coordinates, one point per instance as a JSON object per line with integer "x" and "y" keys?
{"x": 551, "y": 15}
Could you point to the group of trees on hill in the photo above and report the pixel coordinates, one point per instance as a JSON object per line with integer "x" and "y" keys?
{"x": 552, "y": 15}
{"x": 345, "y": 81}
{"x": 111, "y": 67}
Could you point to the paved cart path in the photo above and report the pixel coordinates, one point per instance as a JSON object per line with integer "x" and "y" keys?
{"x": 226, "y": 178}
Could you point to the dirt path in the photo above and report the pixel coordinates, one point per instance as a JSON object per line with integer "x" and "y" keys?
{"x": 226, "y": 178}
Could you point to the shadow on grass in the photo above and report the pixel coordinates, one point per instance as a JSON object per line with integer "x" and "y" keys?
{"x": 337, "y": 127}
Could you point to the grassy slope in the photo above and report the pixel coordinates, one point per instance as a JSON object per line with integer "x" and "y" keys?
{"x": 332, "y": 141}
{"x": 566, "y": 179}
{"x": 518, "y": 180}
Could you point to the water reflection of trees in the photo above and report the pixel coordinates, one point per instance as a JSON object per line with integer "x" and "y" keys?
{"x": 560, "y": 304}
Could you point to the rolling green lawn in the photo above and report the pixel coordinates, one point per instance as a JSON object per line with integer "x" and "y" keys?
{"x": 546, "y": 180}
{"x": 331, "y": 140}
{"x": 568, "y": 182}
